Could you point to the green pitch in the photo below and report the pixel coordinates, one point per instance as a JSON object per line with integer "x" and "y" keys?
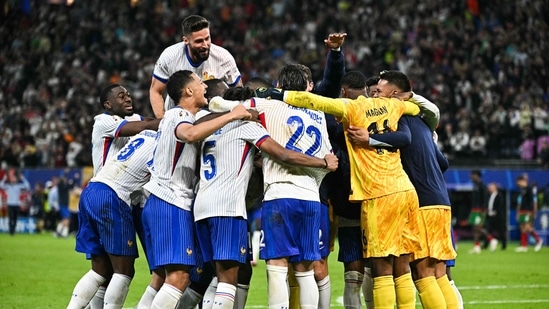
{"x": 39, "y": 271}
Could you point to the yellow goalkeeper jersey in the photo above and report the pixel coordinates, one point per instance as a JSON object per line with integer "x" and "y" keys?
{"x": 375, "y": 171}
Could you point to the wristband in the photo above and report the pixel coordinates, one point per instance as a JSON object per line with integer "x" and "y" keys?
{"x": 326, "y": 162}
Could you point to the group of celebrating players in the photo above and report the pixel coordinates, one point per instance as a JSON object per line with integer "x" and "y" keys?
{"x": 350, "y": 155}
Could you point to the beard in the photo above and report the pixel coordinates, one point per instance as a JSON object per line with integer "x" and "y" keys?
{"x": 200, "y": 54}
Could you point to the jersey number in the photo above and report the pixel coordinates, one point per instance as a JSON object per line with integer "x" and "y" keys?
{"x": 374, "y": 129}
{"x": 129, "y": 149}
{"x": 209, "y": 158}
{"x": 298, "y": 134}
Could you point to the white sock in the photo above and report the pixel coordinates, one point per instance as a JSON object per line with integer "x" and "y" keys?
{"x": 324, "y": 293}
{"x": 207, "y": 301}
{"x": 59, "y": 228}
{"x": 368, "y": 288}
{"x": 65, "y": 231}
{"x": 224, "y": 296}
{"x": 241, "y": 295}
{"x": 458, "y": 294}
{"x": 167, "y": 297}
{"x": 255, "y": 245}
{"x": 351, "y": 291}
{"x": 308, "y": 290}
{"x": 189, "y": 300}
{"x": 116, "y": 292}
{"x": 84, "y": 289}
{"x": 147, "y": 298}
{"x": 98, "y": 299}
{"x": 277, "y": 293}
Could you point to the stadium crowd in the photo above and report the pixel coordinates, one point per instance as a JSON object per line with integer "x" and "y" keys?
{"x": 483, "y": 63}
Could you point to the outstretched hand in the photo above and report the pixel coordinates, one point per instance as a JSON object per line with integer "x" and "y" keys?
{"x": 335, "y": 40}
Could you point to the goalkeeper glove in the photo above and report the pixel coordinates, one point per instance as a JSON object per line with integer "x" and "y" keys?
{"x": 269, "y": 93}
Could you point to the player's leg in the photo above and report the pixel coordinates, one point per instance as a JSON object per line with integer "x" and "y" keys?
{"x": 350, "y": 254}
{"x": 320, "y": 267}
{"x": 450, "y": 297}
{"x": 243, "y": 286}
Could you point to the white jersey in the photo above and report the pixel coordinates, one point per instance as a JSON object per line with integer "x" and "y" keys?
{"x": 105, "y": 139}
{"x": 174, "y": 162}
{"x": 294, "y": 128}
{"x": 128, "y": 171}
{"x": 226, "y": 167}
{"x": 220, "y": 64}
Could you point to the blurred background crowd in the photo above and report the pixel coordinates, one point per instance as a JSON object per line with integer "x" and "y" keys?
{"x": 484, "y": 63}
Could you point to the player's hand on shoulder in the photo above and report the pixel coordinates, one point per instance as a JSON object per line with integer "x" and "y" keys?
{"x": 331, "y": 161}
{"x": 335, "y": 40}
{"x": 403, "y": 96}
{"x": 358, "y": 136}
{"x": 269, "y": 93}
{"x": 240, "y": 112}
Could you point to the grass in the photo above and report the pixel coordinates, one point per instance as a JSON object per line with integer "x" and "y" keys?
{"x": 39, "y": 271}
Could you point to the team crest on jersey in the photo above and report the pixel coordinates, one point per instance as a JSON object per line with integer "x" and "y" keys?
{"x": 189, "y": 251}
{"x": 130, "y": 243}
{"x": 207, "y": 76}
{"x": 243, "y": 250}
{"x": 198, "y": 270}
{"x": 181, "y": 113}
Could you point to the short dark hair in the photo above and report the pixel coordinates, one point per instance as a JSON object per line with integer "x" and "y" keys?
{"x": 372, "y": 81}
{"x": 194, "y": 23}
{"x": 398, "y": 79}
{"x": 176, "y": 82}
{"x": 104, "y": 95}
{"x": 292, "y": 77}
{"x": 353, "y": 80}
{"x": 238, "y": 93}
{"x": 216, "y": 87}
{"x": 476, "y": 172}
{"x": 259, "y": 81}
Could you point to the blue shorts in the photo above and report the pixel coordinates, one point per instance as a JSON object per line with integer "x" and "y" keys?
{"x": 350, "y": 244}
{"x": 290, "y": 229}
{"x": 64, "y": 212}
{"x": 202, "y": 273}
{"x": 324, "y": 231}
{"x": 105, "y": 223}
{"x": 169, "y": 234}
{"x": 223, "y": 239}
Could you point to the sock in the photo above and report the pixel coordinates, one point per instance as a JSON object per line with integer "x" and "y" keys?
{"x": 167, "y": 297}
{"x": 85, "y": 289}
{"x": 116, "y": 292}
{"x": 256, "y": 236}
{"x": 208, "y": 300}
{"x": 293, "y": 287}
{"x": 429, "y": 292}
{"x": 147, "y": 298}
{"x": 224, "y": 296}
{"x": 477, "y": 243}
{"x": 384, "y": 292}
{"x": 276, "y": 281}
{"x": 351, "y": 291}
{"x": 98, "y": 299}
{"x": 65, "y": 231}
{"x": 449, "y": 295}
{"x": 308, "y": 290}
{"x": 405, "y": 292}
{"x": 241, "y": 295}
{"x": 535, "y": 235}
{"x": 523, "y": 239}
{"x": 458, "y": 294}
{"x": 189, "y": 299}
{"x": 324, "y": 293}
{"x": 59, "y": 228}
{"x": 368, "y": 288}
